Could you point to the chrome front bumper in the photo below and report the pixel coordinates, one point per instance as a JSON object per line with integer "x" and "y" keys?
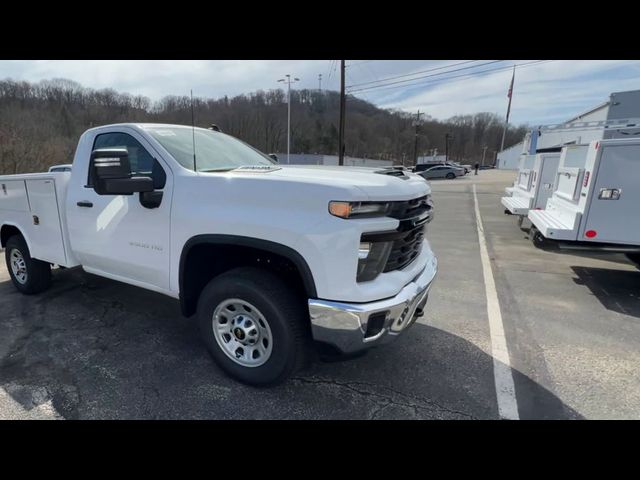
{"x": 355, "y": 326}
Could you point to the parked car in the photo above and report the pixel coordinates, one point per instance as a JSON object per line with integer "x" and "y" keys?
{"x": 266, "y": 257}
{"x": 442, "y": 171}
{"x": 421, "y": 167}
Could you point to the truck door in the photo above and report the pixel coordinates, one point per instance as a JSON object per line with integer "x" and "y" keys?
{"x": 614, "y": 208}
{"x": 116, "y": 235}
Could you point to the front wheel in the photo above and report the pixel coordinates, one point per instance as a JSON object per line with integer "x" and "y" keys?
{"x": 253, "y": 326}
{"x": 450, "y": 175}
{"x": 29, "y": 276}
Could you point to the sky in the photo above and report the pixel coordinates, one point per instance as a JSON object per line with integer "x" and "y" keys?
{"x": 544, "y": 93}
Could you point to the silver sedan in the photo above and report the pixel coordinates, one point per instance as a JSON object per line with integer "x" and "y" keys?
{"x": 442, "y": 171}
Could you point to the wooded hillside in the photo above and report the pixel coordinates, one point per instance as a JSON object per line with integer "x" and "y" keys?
{"x": 40, "y": 123}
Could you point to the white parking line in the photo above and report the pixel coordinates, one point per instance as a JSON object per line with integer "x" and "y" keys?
{"x": 505, "y": 389}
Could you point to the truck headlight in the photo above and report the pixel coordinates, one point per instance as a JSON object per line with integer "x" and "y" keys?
{"x": 359, "y": 209}
{"x": 372, "y": 258}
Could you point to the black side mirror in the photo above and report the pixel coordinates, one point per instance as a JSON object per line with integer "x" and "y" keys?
{"x": 274, "y": 157}
{"x": 111, "y": 173}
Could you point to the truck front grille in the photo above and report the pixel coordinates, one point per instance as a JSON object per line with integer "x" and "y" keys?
{"x": 406, "y": 248}
{"x": 411, "y": 209}
{"x": 408, "y": 238}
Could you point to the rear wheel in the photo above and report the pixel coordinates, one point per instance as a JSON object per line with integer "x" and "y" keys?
{"x": 28, "y": 275}
{"x": 450, "y": 175}
{"x": 253, "y": 326}
{"x": 537, "y": 238}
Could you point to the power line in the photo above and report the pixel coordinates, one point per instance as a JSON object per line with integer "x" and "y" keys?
{"x": 427, "y": 76}
{"x": 421, "y": 71}
{"x": 415, "y": 73}
{"x": 358, "y": 63}
{"x": 330, "y": 70}
{"x": 459, "y": 77}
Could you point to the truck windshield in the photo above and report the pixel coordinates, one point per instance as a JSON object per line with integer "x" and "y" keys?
{"x": 215, "y": 151}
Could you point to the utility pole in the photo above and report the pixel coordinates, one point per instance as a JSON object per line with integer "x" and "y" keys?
{"x": 484, "y": 151}
{"x": 342, "y": 108}
{"x": 288, "y": 81}
{"x": 415, "y": 147}
{"x": 320, "y": 82}
{"x": 447, "y": 136}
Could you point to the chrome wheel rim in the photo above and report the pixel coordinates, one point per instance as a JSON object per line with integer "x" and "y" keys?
{"x": 242, "y": 332}
{"x": 18, "y": 266}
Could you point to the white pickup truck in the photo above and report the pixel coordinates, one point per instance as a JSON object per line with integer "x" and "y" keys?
{"x": 267, "y": 257}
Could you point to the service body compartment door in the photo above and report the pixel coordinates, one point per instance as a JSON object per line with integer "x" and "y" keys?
{"x": 45, "y": 231}
{"x": 568, "y": 181}
{"x": 614, "y": 209}
{"x": 545, "y": 180}
{"x": 524, "y": 179}
{"x": 13, "y": 196}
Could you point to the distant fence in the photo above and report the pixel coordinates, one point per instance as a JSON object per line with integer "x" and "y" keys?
{"x": 310, "y": 159}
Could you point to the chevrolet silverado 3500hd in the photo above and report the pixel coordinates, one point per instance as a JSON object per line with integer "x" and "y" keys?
{"x": 267, "y": 257}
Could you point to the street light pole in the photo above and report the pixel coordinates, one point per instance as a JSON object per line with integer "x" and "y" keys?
{"x": 288, "y": 81}
{"x": 484, "y": 151}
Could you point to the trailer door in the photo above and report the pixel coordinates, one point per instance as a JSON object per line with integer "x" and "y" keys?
{"x": 614, "y": 211}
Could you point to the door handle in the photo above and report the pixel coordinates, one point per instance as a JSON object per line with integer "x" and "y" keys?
{"x": 85, "y": 204}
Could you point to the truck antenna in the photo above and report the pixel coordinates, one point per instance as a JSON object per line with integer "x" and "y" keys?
{"x": 193, "y": 135}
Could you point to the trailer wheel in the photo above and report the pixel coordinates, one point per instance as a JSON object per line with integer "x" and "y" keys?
{"x": 635, "y": 258}
{"x": 537, "y": 238}
{"x": 253, "y": 326}
{"x": 29, "y": 276}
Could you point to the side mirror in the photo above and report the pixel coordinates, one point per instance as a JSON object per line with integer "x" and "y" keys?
{"x": 274, "y": 157}
{"x": 111, "y": 173}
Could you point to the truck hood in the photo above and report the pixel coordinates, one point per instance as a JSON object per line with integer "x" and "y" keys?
{"x": 373, "y": 183}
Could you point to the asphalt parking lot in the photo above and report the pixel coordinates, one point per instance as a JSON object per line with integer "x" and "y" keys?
{"x": 91, "y": 348}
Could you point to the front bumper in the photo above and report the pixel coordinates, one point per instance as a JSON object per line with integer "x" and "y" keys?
{"x": 351, "y": 327}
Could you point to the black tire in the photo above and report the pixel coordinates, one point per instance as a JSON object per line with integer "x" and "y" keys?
{"x": 38, "y": 273}
{"x": 635, "y": 258}
{"x": 538, "y": 239}
{"x": 450, "y": 175}
{"x": 284, "y": 312}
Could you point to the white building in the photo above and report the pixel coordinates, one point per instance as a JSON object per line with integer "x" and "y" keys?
{"x": 581, "y": 129}
{"x": 508, "y": 158}
{"x": 432, "y": 159}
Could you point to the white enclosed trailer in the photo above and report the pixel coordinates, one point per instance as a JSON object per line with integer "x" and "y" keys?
{"x": 596, "y": 201}
{"x": 534, "y": 185}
